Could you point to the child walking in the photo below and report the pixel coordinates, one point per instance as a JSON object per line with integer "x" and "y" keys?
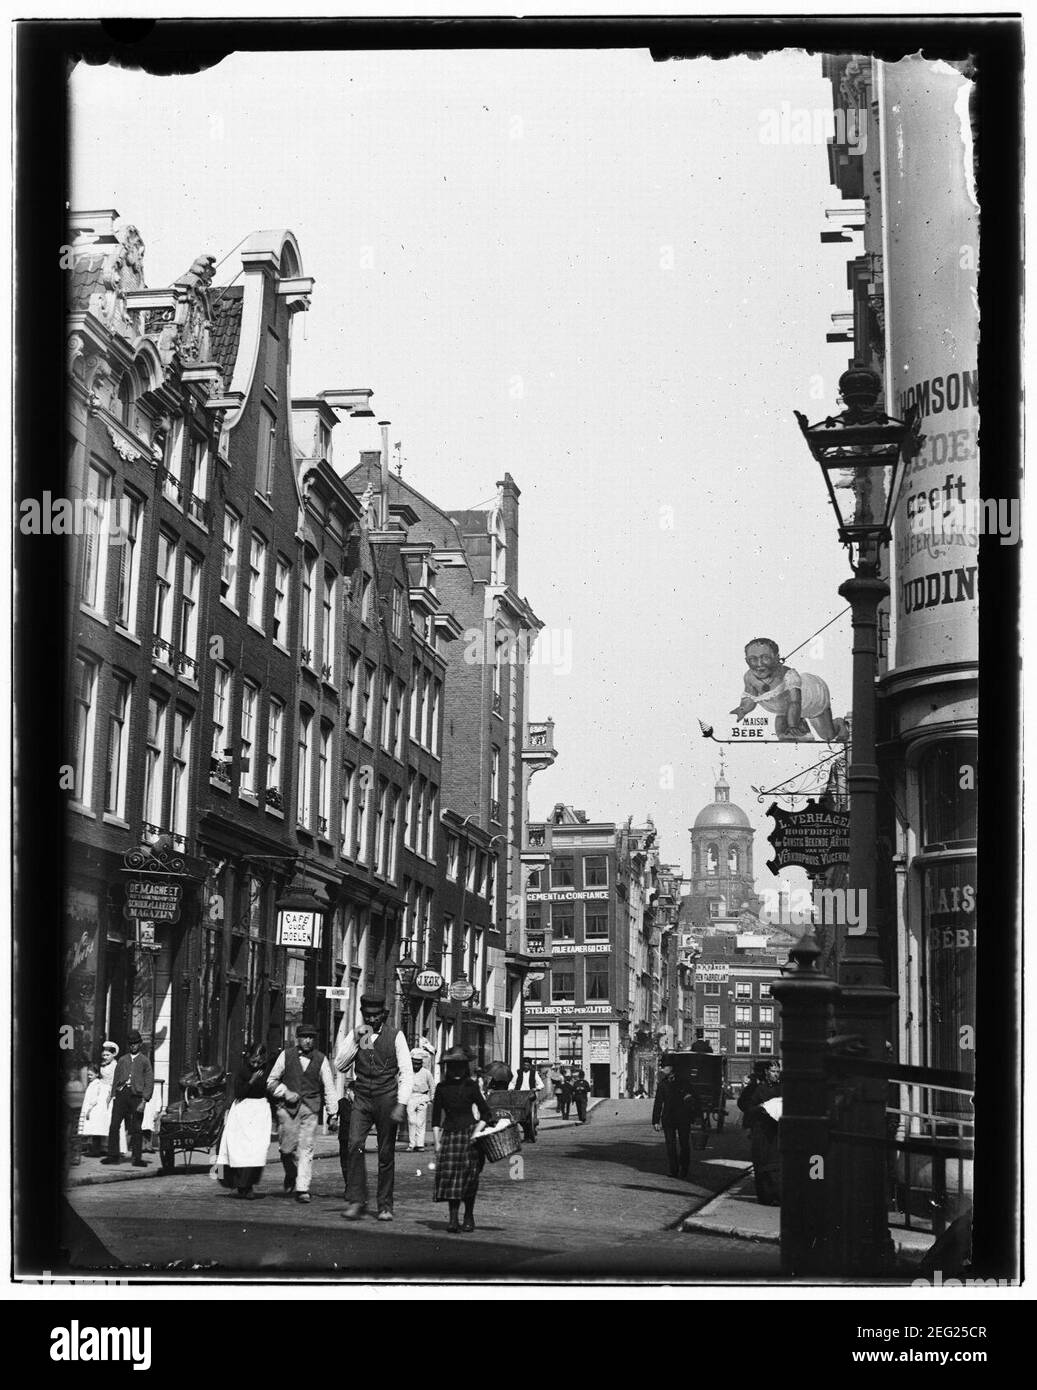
{"x": 458, "y": 1161}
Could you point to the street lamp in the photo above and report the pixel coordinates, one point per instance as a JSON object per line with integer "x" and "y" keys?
{"x": 863, "y": 454}
{"x": 406, "y": 969}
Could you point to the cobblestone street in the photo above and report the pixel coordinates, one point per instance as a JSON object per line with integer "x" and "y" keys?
{"x": 591, "y": 1200}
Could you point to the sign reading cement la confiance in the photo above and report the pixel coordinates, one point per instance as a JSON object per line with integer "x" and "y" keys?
{"x": 569, "y": 895}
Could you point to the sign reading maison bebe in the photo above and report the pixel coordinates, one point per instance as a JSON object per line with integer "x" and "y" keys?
{"x": 149, "y": 901}
{"x": 813, "y": 837}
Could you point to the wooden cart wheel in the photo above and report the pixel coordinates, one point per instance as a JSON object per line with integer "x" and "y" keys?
{"x": 529, "y": 1129}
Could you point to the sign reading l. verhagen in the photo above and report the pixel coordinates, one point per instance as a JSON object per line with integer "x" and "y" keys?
{"x": 931, "y": 269}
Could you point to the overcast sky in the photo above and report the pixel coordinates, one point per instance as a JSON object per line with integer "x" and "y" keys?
{"x": 585, "y": 269}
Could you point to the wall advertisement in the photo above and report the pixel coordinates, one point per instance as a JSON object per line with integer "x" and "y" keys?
{"x": 931, "y": 265}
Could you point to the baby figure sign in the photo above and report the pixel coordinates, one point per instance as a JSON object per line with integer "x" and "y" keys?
{"x": 798, "y": 700}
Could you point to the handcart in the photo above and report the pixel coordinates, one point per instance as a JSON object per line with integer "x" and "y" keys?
{"x": 706, "y": 1074}
{"x": 196, "y": 1121}
{"x": 521, "y": 1106}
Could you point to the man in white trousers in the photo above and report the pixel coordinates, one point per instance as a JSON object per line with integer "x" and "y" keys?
{"x": 420, "y": 1100}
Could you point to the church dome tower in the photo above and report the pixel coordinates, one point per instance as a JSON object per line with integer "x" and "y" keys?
{"x": 722, "y": 879}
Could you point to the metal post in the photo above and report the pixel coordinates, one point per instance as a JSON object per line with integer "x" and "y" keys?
{"x": 865, "y": 1002}
{"x": 807, "y": 998}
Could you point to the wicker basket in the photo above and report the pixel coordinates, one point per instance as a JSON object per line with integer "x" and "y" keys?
{"x": 500, "y": 1144}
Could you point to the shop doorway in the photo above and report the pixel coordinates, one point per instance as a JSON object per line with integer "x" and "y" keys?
{"x": 600, "y": 1078}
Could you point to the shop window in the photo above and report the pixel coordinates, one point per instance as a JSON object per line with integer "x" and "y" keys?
{"x": 536, "y": 1044}
{"x": 947, "y": 782}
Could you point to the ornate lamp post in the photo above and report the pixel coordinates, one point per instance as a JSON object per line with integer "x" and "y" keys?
{"x": 863, "y": 454}
{"x": 406, "y": 969}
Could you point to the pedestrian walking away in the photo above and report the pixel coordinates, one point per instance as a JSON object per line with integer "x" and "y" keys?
{"x": 383, "y": 1079}
{"x": 700, "y": 1044}
{"x": 674, "y": 1111}
{"x": 246, "y": 1127}
{"x": 458, "y": 1161}
{"x": 420, "y": 1099}
{"x": 132, "y": 1087}
{"x": 581, "y": 1090}
{"x": 300, "y": 1081}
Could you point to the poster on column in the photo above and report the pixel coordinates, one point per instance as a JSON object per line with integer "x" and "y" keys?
{"x": 931, "y": 273}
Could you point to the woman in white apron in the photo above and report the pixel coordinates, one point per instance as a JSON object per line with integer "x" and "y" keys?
{"x": 246, "y": 1130}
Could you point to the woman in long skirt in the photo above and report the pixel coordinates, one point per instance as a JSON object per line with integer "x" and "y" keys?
{"x": 458, "y": 1161}
{"x": 246, "y": 1130}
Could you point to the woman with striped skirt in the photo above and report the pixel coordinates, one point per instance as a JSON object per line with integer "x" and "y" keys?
{"x": 458, "y": 1162}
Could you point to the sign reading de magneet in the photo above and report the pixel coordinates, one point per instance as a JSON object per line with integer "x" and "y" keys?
{"x": 931, "y": 270}
{"x": 151, "y": 901}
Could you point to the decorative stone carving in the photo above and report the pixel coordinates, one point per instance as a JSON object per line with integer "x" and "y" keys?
{"x": 123, "y": 447}
{"x": 76, "y": 362}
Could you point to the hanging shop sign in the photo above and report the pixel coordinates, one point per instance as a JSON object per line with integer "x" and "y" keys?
{"x": 152, "y": 900}
{"x": 300, "y": 929}
{"x": 428, "y": 982}
{"x": 813, "y": 838}
{"x": 334, "y": 991}
{"x": 461, "y": 990}
{"x": 931, "y": 269}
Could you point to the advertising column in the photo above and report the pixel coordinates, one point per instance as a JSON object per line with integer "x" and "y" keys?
{"x": 931, "y": 262}
{"x": 931, "y": 255}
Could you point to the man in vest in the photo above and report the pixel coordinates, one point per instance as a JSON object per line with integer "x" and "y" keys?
{"x": 300, "y": 1081}
{"x": 383, "y": 1078}
{"x": 132, "y": 1088}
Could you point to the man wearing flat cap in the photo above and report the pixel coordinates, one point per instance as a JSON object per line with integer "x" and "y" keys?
{"x": 383, "y": 1079}
{"x": 300, "y": 1081}
{"x": 132, "y": 1088}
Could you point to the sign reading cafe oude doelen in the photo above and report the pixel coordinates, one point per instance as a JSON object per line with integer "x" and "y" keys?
{"x": 813, "y": 838}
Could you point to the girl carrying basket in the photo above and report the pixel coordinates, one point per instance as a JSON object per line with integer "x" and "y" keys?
{"x": 458, "y": 1161}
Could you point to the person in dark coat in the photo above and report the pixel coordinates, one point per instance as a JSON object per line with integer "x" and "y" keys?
{"x": 764, "y": 1129}
{"x": 700, "y": 1044}
{"x": 676, "y": 1108}
{"x": 132, "y": 1087}
{"x": 458, "y": 1161}
{"x": 565, "y": 1094}
{"x": 581, "y": 1090}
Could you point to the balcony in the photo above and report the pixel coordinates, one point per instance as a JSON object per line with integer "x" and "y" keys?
{"x": 172, "y": 487}
{"x": 150, "y": 834}
{"x": 198, "y": 510}
{"x": 162, "y": 651}
{"x": 187, "y": 667}
{"x": 219, "y": 771}
{"x": 273, "y": 798}
{"x": 538, "y": 746}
